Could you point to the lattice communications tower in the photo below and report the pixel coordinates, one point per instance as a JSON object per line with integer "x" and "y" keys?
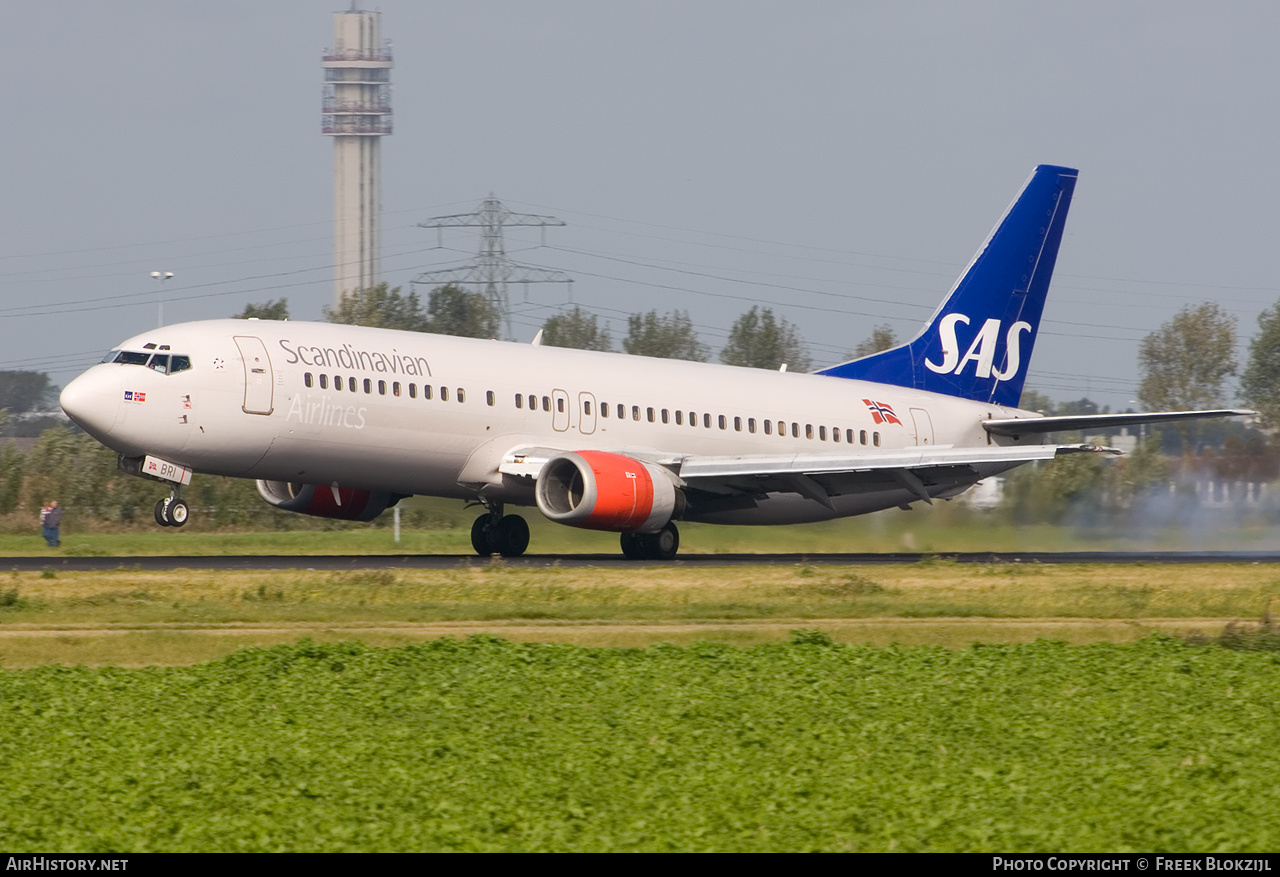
{"x": 357, "y": 114}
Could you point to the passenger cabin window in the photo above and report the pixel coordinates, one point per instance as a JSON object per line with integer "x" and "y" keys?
{"x": 444, "y": 394}
{"x": 822, "y": 433}
{"x": 586, "y": 407}
{"x": 862, "y": 437}
{"x": 546, "y": 403}
{"x": 768, "y": 427}
{"x": 306, "y": 379}
{"x": 679, "y": 417}
{"x": 622, "y": 411}
{"x": 706, "y": 421}
{"x": 382, "y": 388}
{"x": 808, "y": 430}
{"x": 426, "y": 391}
{"x": 875, "y": 439}
{"x": 666, "y": 416}
{"x": 368, "y": 385}
{"x": 462, "y": 395}
{"x": 835, "y": 433}
{"x": 489, "y": 398}
{"x": 395, "y": 388}
{"x": 649, "y": 414}
{"x": 351, "y": 384}
{"x": 795, "y": 430}
{"x": 324, "y": 382}
{"x": 413, "y": 391}
{"x": 751, "y": 424}
{"x": 635, "y": 412}
{"x": 604, "y": 409}
{"x": 519, "y": 400}
{"x": 337, "y": 382}
{"x": 560, "y": 404}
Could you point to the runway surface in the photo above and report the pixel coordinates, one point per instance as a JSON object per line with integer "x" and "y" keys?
{"x": 539, "y": 561}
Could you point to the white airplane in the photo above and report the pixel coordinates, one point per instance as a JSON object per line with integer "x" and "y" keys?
{"x": 342, "y": 421}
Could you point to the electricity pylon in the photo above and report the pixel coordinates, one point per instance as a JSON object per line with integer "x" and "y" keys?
{"x": 491, "y": 270}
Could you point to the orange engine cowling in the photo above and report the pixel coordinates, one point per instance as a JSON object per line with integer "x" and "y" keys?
{"x": 323, "y": 501}
{"x": 596, "y": 490}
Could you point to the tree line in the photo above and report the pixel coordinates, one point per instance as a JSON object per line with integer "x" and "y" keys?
{"x": 1186, "y": 363}
{"x": 758, "y": 339}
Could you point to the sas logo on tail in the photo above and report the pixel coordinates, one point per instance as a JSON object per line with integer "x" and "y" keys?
{"x": 881, "y": 413}
{"x": 982, "y": 352}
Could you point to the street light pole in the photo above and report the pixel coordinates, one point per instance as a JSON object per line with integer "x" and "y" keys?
{"x": 161, "y": 276}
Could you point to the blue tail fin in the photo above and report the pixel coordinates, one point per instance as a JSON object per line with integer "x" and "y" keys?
{"x": 978, "y": 343}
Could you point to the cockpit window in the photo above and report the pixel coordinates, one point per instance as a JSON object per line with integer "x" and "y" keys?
{"x": 162, "y": 362}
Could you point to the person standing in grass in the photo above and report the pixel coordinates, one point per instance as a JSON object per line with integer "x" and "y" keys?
{"x": 50, "y": 519}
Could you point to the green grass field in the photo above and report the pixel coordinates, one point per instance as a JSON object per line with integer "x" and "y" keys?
{"x": 488, "y": 745}
{"x": 133, "y": 617}
{"x": 360, "y": 711}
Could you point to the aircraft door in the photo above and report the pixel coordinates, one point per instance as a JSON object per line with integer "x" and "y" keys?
{"x": 257, "y": 375}
{"x": 559, "y": 410}
{"x": 586, "y": 413}
{"x": 924, "y": 426}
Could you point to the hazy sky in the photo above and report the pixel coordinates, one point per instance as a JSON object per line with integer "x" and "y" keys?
{"x": 836, "y": 161}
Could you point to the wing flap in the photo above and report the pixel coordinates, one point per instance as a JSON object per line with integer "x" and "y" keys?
{"x": 1020, "y": 426}
{"x": 701, "y": 467}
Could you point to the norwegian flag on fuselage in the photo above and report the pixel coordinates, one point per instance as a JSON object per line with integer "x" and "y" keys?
{"x": 881, "y": 413}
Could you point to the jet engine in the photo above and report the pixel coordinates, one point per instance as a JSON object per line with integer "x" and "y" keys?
{"x": 324, "y": 501}
{"x": 596, "y": 490}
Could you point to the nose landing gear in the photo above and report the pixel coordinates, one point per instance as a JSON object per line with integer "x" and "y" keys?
{"x": 172, "y": 512}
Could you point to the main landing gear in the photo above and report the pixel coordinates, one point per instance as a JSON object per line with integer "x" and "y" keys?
{"x": 172, "y": 512}
{"x": 661, "y": 545}
{"x": 496, "y": 533}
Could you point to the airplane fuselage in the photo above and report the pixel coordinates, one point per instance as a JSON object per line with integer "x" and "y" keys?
{"x": 412, "y": 413}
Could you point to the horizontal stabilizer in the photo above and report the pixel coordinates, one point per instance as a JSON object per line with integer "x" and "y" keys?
{"x": 1017, "y": 427}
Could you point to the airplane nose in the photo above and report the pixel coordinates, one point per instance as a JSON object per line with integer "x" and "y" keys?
{"x": 92, "y": 401}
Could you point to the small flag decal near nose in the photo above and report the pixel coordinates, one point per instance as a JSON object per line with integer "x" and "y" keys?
{"x": 881, "y": 413}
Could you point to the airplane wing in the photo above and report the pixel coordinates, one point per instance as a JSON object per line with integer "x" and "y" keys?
{"x": 1018, "y": 427}
{"x": 927, "y": 472}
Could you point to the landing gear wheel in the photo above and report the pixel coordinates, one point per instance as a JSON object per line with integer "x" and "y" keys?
{"x": 161, "y": 513}
{"x": 511, "y": 537}
{"x": 663, "y": 544}
{"x": 633, "y": 547}
{"x": 177, "y": 513}
{"x": 481, "y": 533}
